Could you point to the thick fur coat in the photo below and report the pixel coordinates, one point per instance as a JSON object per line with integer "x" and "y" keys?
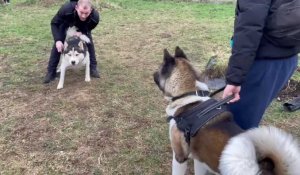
{"x": 220, "y": 147}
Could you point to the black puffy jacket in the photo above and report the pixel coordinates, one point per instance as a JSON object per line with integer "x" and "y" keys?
{"x": 249, "y": 41}
{"x": 67, "y": 17}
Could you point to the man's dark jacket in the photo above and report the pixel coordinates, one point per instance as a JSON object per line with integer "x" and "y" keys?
{"x": 67, "y": 17}
{"x": 250, "y": 41}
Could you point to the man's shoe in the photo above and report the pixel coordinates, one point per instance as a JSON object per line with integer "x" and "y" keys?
{"x": 49, "y": 77}
{"x": 95, "y": 73}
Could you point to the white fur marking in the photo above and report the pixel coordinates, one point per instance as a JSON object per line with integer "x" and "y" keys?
{"x": 199, "y": 167}
{"x": 178, "y": 168}
{"x": 239, "y": 156}
{"x": 71, "y": 31}
{"x": 171, "y": 124}
{"x": 172, "y": 107}
{"x": 201, "y": 86}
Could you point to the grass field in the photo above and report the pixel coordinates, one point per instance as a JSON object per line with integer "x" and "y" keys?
{"x": 116, "y": 124}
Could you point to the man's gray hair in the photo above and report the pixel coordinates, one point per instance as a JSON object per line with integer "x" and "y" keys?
{"x": 87, "y": 3}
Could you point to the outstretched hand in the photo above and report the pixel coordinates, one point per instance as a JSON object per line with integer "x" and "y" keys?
{"x": 231, "y": 89}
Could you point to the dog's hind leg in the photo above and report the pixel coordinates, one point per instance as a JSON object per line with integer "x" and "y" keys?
{"x": 178, "y": 168}
{"x": 87, "y": 70}
{"x": 180, "y": 155}
{"x": 62, "y": 77}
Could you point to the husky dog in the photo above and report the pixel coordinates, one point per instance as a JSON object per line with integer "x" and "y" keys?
{"x": 219, "y": 146}
{"x": 75, "y": 54}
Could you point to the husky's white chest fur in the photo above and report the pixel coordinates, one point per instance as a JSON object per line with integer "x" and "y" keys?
{"x": 75, "y": 55}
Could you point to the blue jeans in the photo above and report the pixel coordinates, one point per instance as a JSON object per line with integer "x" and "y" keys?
{"x": 264, "y": 81}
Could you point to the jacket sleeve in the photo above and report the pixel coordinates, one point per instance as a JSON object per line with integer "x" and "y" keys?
{"x": 58, "y": 21}
{"x": 90, "y": 24}
{"x": 248, "y": 31}
{"x": 95, "y": 18}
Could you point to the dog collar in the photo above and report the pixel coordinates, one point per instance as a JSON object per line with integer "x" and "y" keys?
{"x": 200, "y": 93}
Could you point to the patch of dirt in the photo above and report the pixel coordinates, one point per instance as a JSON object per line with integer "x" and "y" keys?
{"x": 290, "y": 91}
{"x": 4, "y": 65}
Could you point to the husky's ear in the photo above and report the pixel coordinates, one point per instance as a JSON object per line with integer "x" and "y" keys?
{"x": 179, "y": 53}
{"x": 168, "y": 58}
{"x": 65, "y": 46}
{"x": 80, "y": 44}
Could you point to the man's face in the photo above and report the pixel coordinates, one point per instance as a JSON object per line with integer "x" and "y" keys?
{"x": 83, "y": 11}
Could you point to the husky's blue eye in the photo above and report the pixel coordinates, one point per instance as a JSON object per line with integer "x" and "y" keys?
{"x": 76, "y": 54}
{"x": 69, "y": 54}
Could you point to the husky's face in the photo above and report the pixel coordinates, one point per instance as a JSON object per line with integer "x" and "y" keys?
{"x": 176, "y": 75}
{"x": 75, "y": 50}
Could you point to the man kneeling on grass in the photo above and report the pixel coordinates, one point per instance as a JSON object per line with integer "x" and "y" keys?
{"x": 82, "y": 15}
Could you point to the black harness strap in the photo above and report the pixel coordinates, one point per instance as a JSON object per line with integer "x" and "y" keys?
{"x": 195, "y": 118}
{"x": 217, "y": 91}
{"x": 215, "y": 105}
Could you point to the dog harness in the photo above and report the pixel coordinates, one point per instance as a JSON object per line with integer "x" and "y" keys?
{"x": 190, "y": 121}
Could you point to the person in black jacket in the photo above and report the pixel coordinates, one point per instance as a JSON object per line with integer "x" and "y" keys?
{"x": 82, "y": 15}
{"x": 258, "y": 69}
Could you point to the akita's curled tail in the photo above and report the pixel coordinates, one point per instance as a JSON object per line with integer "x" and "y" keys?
{"x": 261, "y": 151}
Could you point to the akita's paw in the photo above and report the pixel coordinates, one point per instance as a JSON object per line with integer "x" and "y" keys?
{"x": 181, "y": 159}
{"x": 87, "y": 79}
{"x": 60, "y": 86}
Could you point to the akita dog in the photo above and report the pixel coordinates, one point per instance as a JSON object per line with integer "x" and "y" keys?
{"x": 74, "y": 55}
{"x": 201, "y": 128}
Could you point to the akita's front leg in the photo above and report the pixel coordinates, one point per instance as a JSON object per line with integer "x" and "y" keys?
{"x": 180, "y": 150}
{"x": 199, "y": 167}
{"x": 87, "y": 70}
{"x": 178, "y": 168}
{"x": 62, "y": 77}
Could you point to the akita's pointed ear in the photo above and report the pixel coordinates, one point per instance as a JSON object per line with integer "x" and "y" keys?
{"x": 179, "y": 53}
{"x": 168, "y": 58}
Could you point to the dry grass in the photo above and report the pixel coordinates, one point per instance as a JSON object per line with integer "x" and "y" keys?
{"x": 112, "y": 125}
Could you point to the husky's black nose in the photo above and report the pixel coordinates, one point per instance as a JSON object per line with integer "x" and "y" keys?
{"x": 73, "y": 62}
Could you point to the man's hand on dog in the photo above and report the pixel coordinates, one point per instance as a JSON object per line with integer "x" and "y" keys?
{"x": 231, "y": 89}
{"x": 59, "y": 46}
